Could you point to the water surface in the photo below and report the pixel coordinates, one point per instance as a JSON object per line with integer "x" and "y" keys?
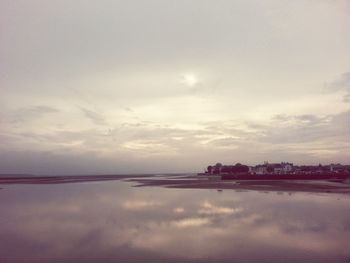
{"x": 113, "y": 221}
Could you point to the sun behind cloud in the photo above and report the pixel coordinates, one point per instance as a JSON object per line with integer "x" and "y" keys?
{"x": 189, "y": 79}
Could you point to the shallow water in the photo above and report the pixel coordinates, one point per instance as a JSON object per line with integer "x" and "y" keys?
{"x": 112, "y": 221}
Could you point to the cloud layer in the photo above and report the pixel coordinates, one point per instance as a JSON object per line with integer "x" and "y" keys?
{"x": 166, "y": 87}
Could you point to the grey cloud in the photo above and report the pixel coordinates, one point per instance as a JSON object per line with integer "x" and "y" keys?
{"x": 127, "y": 58}
{"x": 304, "y": 119}
{"x": 29, "y": 113}
{"x": 110, "y": 139}
{"x": 311, "y": 119}
{"x": 287, "y": 137}
{"x": 227, "y": 142}
{"x": 82, "y": 38}
{"x": 342, "y": 121}
{"x": 96, "y": 117}
{"x": 89, "y": 162}
{"x": 342, "y": 83}
{"x": 123, "y": 26}
{"x": 46, "y": 162}
{"x": 40, "y": 109}
{"x": 307, "y": 128}
{"x": 218, "y": 141}
{"x": 281, "y": 117}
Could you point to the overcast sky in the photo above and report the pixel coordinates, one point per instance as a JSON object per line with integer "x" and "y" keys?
{"x": 172, "y": 86}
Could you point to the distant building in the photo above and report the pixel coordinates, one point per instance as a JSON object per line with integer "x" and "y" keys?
{"x": 261, "y": 169}
{"x": 287, "y": 167}
{"x": 276, "y": 168}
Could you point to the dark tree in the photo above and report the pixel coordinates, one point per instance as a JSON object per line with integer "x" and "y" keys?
{"x": 210, "y": 169}
{"x": 269, "y": 169}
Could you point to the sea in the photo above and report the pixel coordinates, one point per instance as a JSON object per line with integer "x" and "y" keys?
{"x": 131, "y": 219}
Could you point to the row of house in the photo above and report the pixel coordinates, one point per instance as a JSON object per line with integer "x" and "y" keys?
{"x": 276, "y": 168}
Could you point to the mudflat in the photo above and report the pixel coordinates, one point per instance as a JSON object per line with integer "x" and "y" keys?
{"x": 191, "y": 181}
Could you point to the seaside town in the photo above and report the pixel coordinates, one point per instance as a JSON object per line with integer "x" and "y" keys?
{"x": 283, "y": 168}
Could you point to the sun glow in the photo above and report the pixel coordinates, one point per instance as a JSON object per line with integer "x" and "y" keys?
{"x": 190, "y": 80}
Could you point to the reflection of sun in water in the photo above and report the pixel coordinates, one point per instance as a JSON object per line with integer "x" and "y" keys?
{"x": 190, "y": 80}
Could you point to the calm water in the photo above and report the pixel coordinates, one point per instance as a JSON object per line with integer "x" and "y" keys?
{"x": 113, "y": 221}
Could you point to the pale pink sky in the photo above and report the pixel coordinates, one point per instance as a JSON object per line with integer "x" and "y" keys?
{"x": 170, "y": 86}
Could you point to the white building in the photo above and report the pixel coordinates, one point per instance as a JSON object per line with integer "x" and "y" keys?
{"x": 287, "y": 167}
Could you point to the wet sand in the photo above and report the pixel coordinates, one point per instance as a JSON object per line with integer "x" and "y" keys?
{"x": 321, "y": 186}
{"x": 32, "y": 179}
{"x": 191, "y": 181}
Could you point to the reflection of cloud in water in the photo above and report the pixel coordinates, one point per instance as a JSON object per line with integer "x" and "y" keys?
{"x": 179, "y": 210}
{"x": 191, "y": 222}
{"x": 210, "y": 209}
{"x": 83, "y": 221}
{"x": 311, "y": 242}
{"x": 139, "y": 205}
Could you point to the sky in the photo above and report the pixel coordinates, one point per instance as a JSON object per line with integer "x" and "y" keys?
{"x": 172, "y": 86}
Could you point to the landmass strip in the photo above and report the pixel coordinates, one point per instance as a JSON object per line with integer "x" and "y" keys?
{"x": 279, "y": 171}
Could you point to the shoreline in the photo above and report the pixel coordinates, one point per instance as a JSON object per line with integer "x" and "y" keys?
{"x": 277, "y": 177}
{"x": 191, "y": 181}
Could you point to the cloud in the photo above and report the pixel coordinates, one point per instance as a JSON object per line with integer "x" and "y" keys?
{"x": 152, "y": 147}
{"x": 342, "y": 84}
{"x": 308, "y": 128}
{"x": 167, "y": 104}
{"x": 301, "y": 138}
{"x": 94, "y": 116}
{"x": 29, "y": 113}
